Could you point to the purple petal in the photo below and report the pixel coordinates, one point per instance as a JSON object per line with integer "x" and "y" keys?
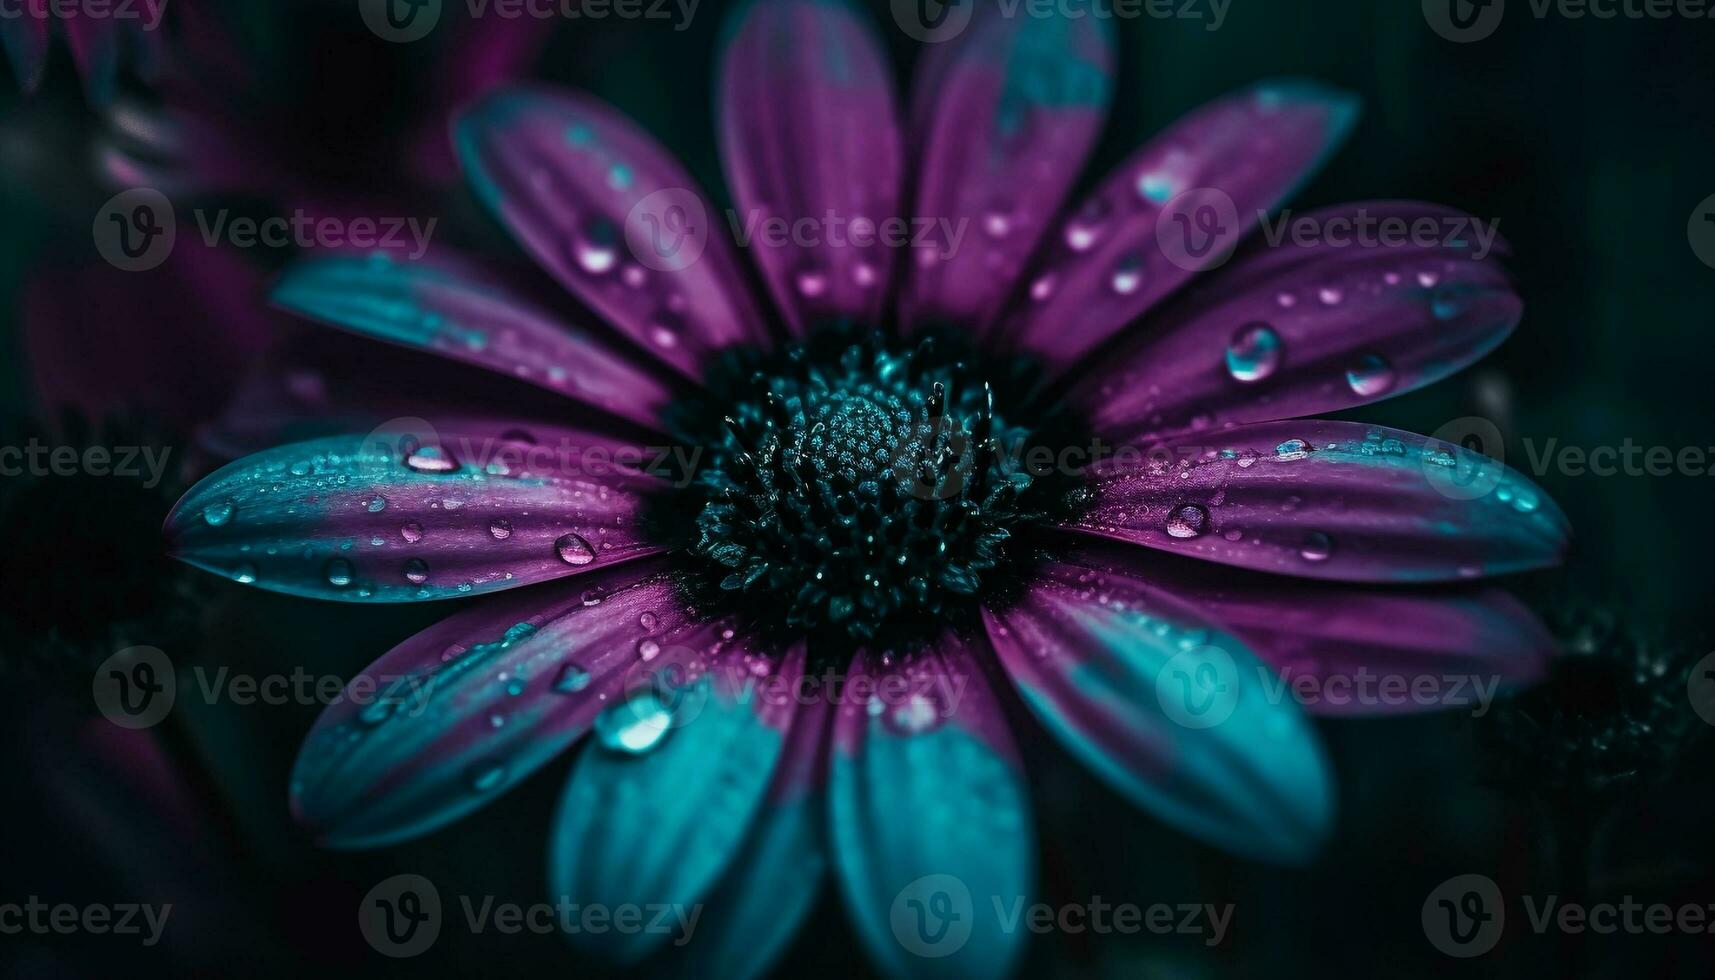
{"x": 808, "y": 129}
{"x": 25, "y": 37}
{"x": 1328, "y": 500}
{"x": 1359, "y": 651}
{"x": 411, "y": 513}
{"x": 1293, "y": 330}
{"x": 659, "y": 803}
{"x": 925, "y": 790}
{"x": 95, "y": 48}
{"x": 1003, "y": 117}
{"x": 461, "y": 712}
{"x": 452, "y": 307}
{"x": 581, "y": 186}
{"x": 1168, "y": 709}
{"x": 1106, "y": 264}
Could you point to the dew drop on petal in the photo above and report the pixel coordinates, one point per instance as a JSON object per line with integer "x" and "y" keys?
{"x": 411, "y": 531}
{"x": 574, "y": 550}
{"x": 376, "y": 504}
{"x": 571, "y": 679}
{"x": 430, "y": 459}
{"x": 1127, "y": 275}
{"x": 1317, "y": 547}
{"x": 417, "y": 571}
{"x": 500, "y": 529}
{"x": 214, "y": 515}
{"x": 1253, "y": 353}
{"x": 1292, "y": 449}
{"x": 1371, "y": 376}
{"x": 1187, "y": 521}
{"x": 338, "y": 572}
{"x": 486, "y": 776}
{"x": 635, "y": 725}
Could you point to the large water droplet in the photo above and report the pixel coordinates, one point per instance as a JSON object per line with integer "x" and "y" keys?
{"x": 245, "y": 574}
{"x": 648, "y": 650}
{"x": 500, "y": 529}
{"x": 572, "y": 679}
{"x": 1317, "y": 547}
{"x": 430, "y": 459}
{"x": 1127, "y": 275}
{"x": 1371, "y": 376}
{"x": 338, "y": 572}
{"x": 635, "y": 725}
{"x": 648, "y": 621}
{"x": 1187, "y": 521}
{"x": 1253, "y": 353}
{"x": 417, "y": 571}
{"x": 1292, "y": 449}
{"x": 411, "y": 531}
{"x": 214, "y": 515}
{"x": 595, "y": 249}
{"x": 376, "y": 504}
{"x": 574, "y": 550}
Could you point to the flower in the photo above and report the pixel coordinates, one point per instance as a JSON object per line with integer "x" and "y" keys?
{"x": 855, "y": 569}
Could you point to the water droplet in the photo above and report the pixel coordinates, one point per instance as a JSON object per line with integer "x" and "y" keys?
{"x": 1042, "y": 288}
{"x": 1085, "y": 229}
{"x": 376, "y": 504}
{"x": 1128, "y": 275}
{"x": 214, "y": 515}
{"x": 417, "y": 571}
{"x": 996, "y": 224}
{"x": 649, "y": 621}
{"x": 486, "y": 776}
{"x": 1187, "y": 521}
{"x": 500, "y": 528}
{"x": 412, "y": 532}
{"x": 595, "y": 249}
{"x": 1330, "y": 296}
{"x": 245, "y": 574}
{"x": 1253, "y": 353}
{"x": 1156, "y": 188}
{"x": 648, "y": 650}
{"x": 574, "y": 550}
{"x": 663, "y": 335}
{"x": 1292, "y": 449}
{"x": 1371, "y": 376}
{"x": 338, "y": 573}
{"x": 811, "y": 283}
{"x": 635, "y": 725}
{"x": 1446, "y": 304}
{"x": 571, "y": 679}
{"x": 1317, "y": 547}
{"x": 430, "y": 459}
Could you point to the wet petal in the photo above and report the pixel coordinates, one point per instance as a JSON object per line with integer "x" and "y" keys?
{"x": 445, "y": 304}
{"x": 1169, "y": 709}
{"x": 461, "y": 712}
{"x": 409, "y": 513}
{"x": 930, "y": 818}
{"x": 1332, "y": 500}
{"x": 1004, "y": 117}
{"x": 1107, "y": 262}
{"x": 808, "y": 128}
{"x": 654, "y": 813}
{"x": 582, "y": 188}
{"x": 1292, "y": 330}
{"x": 773, "y": 882}
{"x": 1343, "y": 650}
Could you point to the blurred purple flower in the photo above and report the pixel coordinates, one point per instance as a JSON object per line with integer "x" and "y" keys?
{"x": 854, "y": 581}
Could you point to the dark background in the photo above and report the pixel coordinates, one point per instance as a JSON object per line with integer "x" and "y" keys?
{"x": 1590, "y": 140}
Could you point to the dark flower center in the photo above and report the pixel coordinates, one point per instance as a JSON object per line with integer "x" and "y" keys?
{"x": 864, "y": 486}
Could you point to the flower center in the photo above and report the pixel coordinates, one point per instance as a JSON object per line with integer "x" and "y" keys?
{"x": 861, "y": 486}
